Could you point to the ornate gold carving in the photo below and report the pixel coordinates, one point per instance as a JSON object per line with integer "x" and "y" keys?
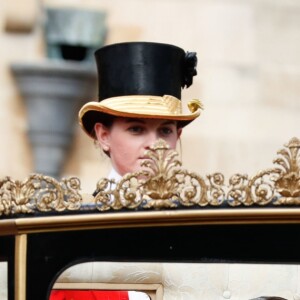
{"x": 167, "y": 185}
{"x": 38, "y": 193}
{"x": 279, "y": 186}
{"x": 162, "y": 183}
{"x": 288, "y": 184}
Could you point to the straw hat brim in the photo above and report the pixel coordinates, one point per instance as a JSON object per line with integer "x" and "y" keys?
{"x": 151, "y": 107}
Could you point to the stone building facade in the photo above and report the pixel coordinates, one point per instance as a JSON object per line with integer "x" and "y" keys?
{"x": 248, "y": 78}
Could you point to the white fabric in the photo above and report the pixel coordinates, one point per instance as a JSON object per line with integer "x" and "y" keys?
{"x": 114, "y": 175}
{"x": 133, "y": 295}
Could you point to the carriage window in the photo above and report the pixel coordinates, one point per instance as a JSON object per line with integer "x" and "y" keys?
{"x": 3, "y": 280}
{"x": 159, "y": 280}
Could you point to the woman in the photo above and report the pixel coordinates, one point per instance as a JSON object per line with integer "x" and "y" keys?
{"x": 139, "y": 100}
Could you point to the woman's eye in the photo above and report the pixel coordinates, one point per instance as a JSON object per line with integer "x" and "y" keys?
{"x": 135, "y": 129}
{"x": 165, "y": 131}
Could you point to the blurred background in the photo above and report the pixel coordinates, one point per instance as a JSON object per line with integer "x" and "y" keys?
{"x": 248, "y": 79}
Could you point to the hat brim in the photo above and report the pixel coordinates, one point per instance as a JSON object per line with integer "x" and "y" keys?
{"x": 151, "y": 107}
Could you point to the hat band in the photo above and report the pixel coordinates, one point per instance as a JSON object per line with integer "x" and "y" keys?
{"x": 140, "y": 104}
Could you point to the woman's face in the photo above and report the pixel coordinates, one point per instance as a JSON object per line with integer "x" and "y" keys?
{"x": 128, "y": 139}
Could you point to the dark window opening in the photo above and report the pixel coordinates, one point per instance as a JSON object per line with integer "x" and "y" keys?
{"x": 77, "y": 53}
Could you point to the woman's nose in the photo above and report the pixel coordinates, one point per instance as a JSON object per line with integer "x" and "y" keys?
{"x": 151, "y": 138}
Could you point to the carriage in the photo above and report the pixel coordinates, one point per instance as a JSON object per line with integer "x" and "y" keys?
{"x": 165, "y": 232}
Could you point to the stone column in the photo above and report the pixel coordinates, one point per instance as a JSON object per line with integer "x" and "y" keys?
{"x": 53, "y": 93}
{"x": 55, "y": 89}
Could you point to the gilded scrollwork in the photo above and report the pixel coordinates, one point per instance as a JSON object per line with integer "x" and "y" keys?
{"x": 288, "y": 183}
{"x": 39, "y": 193}
{"x": 167, "y": 185}
{"x": 162, "y": 183}
{"x": 257, "y": 190}
{"x": 125, "y": 193}
{"x": 276, "y": 186}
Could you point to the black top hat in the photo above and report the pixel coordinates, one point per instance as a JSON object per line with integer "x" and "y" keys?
{"x": 141, "y": 79}
{"x": 142, "y": 68}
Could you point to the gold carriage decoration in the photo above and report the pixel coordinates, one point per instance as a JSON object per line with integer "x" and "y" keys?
{"x": 163, "y": 183}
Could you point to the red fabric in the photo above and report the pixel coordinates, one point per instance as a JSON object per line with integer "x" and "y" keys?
{"x": 88, "y": 295}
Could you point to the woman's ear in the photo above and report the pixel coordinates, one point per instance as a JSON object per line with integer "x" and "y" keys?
{"x": 102, "y": 135}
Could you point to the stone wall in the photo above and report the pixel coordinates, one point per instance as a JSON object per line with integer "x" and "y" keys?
{"x": 248, "y": 79}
